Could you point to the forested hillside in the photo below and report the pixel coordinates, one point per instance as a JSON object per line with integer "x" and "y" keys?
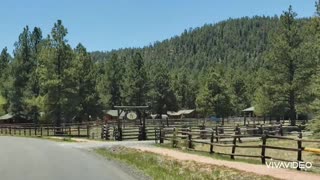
{"x": 220, "y": 69}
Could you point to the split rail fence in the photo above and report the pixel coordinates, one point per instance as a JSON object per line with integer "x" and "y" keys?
{"x": 194, "y": 136}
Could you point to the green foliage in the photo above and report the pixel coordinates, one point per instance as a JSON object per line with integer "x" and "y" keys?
{"x": 57, "y": 76}
{"x": 110, "y": 84}
{"x": 213, "y": 97}
{"x": 163, "y": 97}
{"x": 220, "y": 69}
{"x": 288, "y": 71}
{"x": 86, "y": 98}
{"x": 2, "y": 103}
{"x": 184, "y": 89}
{"x": 314, "y": 126}
{"x": 135, "y": 82}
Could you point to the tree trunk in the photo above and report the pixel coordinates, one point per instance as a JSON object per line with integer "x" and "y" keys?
{"x": 292, "y": 112}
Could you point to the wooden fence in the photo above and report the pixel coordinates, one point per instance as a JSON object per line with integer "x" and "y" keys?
{"x": 174, "y": 135}
{"x": 82, "y": 130}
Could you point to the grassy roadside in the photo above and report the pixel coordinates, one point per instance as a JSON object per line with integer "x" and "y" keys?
{"x": 162, "y": 167}
{"x": 203, "y": 150}
{"x": 56, "y": 139}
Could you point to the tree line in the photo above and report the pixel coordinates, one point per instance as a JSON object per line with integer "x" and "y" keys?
{"x": 271, "y": 63}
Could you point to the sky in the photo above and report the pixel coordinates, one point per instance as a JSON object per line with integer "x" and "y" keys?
{"x": 112, "y": 24}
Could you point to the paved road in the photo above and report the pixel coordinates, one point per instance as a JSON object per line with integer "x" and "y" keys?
{"x": 36, "y": 159}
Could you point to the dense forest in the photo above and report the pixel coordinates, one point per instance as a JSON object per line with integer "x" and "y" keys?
{"x": 271, "y": 63}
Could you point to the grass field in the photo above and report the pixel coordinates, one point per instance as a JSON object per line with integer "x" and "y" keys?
{"x": 161, "y": 167}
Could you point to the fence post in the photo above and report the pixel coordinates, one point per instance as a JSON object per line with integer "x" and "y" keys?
{"x": 217, "y": 134}
{"x": 102, "y": 131}
{"x": 35, "y": 131}
{"x": 29, "y": 131}
{"x": 69, "y": 131}
{"x": 88, "y": 131}
{"x": 155, "y": 135}
{"x": 161, "y": 136}
{"x": 10, "y": 130}
{"x": 281, "y": 130}
{"x": 189, "y": 139}
{"x": 211, "y": 141}
{"x": 108, "y": 133}
{"x": 40, "y": 130}
{"x": 78, "y": 130}
{"x": 263, "y": 148}
{"x": 299, "y": 142}
{"x": 14, "y": 130}
{"x": 261, "y": 129}
{"x": 48, "y": 131}
{"x": 234, "y": 147}
{"x": 19, "y": 131}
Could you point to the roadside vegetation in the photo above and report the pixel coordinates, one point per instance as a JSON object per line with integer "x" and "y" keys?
{"x": 162, "y": 167}
{"x": 203, "y": 149}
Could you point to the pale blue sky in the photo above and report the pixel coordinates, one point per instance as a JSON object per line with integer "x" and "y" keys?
{"x": 112, "y": 24}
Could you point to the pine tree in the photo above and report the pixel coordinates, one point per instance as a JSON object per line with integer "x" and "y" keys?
{"x": 32, "y": 91}
{"x": 289, "y": 73}
{"x": 57, "y": 76}
{"x": 87, "y": 99}
{"x": 213, "y": 98}
{"x": 4, "y": 61}
{"x": 22, "y": 68}
{"x": 4, "y": 73}
{"x": 136, "y": 82}
{"x": 163, "y": 97}
{"x": 185, "y": 90}
{"x": 111, "y": 83}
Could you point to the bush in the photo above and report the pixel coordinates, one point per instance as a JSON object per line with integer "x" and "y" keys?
{"x": 174, "y": 141}
{"x": 314, "y": 126}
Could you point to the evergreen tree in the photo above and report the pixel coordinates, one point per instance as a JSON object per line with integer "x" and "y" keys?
{"x": 4, "y": 61}
{"x": 111, "y": 82}
{"x": 213, "y": 98}
{"x": 4, "y": 73}
{"x": 57, "y": 76}
{"x": 32, "y": 91}
{"x": 185, "y": 90}
{"x": 22, "y": 68}
{"x": 163, "y": 98}
{"x": 289, "y": 73}
{"x": 87, "y": 99}
{"x": 136, "y": 82}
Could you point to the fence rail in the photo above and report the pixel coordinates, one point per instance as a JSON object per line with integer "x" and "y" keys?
{"x": 192, "y": 137}
{"x": 71, "y": 131}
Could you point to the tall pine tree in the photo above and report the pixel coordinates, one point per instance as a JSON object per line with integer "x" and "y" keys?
{"x": 289, "y": 73}
{"x": 136, "y": 82}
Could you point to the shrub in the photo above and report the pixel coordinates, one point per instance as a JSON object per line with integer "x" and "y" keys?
{"x": 314, "y": 126}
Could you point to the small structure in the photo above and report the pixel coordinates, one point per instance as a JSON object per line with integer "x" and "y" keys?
{"x": 113, "y": 115}
{"x": 181, "y": 113}
{"x": 130, "y": 114}
{"x": 7, "y": 118}
{"x": 248, "y": 112}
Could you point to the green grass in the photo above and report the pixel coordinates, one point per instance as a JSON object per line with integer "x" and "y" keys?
{"x": 162, "y": 167}
{"x": 56, "y": 139}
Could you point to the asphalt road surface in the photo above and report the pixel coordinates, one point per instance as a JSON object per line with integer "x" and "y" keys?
{"x": 36, "y": 159}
